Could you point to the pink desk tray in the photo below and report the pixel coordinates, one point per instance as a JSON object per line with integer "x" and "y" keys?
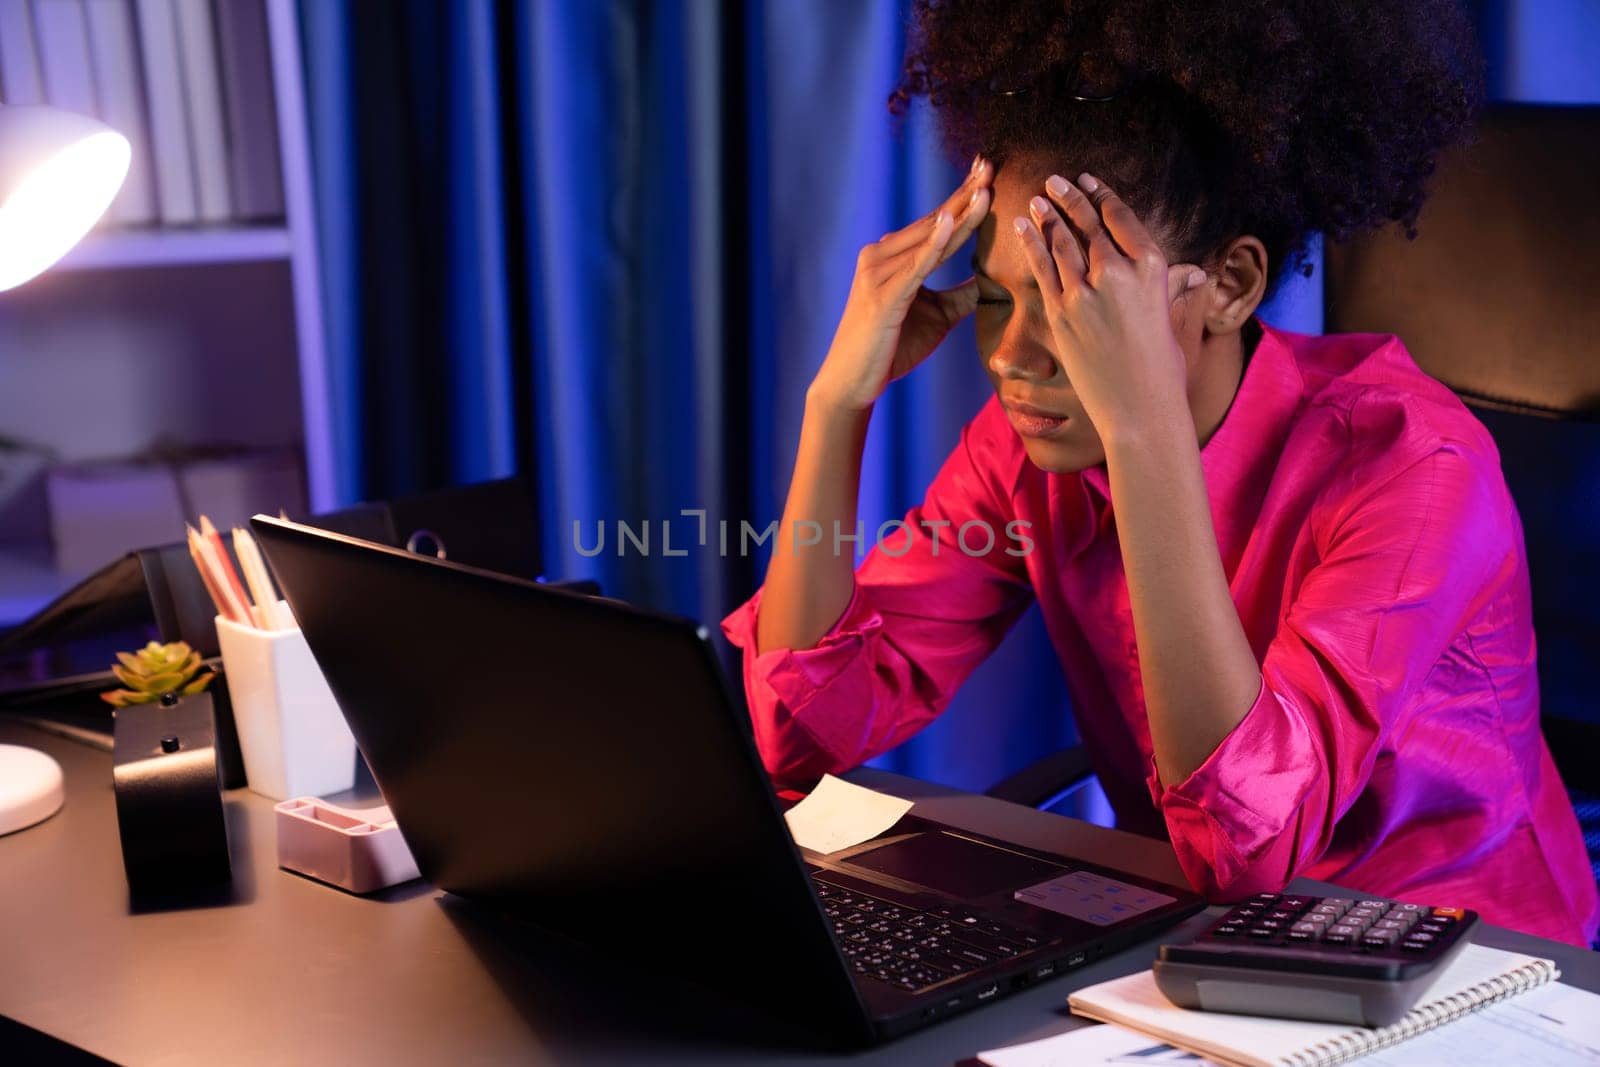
{"x": 357, "y": 849}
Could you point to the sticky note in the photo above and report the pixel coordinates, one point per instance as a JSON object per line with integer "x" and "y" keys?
{"x": 838, "y": 814}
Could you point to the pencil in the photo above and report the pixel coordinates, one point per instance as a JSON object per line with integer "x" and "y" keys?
{"x": 205, "y": 578}
{"x": 228, "y": 575}
{"x": 225, "y": 605}
{"x": 238, "y": 610}
{"x": 260, "y": 582}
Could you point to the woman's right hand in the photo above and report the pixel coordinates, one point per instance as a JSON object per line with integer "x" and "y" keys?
{"x": 892, "y": 321}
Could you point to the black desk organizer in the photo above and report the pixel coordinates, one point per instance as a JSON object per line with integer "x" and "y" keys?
{"x": 168, "y": 786}
{"x": 490, "y": 525}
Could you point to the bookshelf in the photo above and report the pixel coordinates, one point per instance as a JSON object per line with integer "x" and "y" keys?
{"x": 199, "y": 334}
{"x": 124, "y": 249}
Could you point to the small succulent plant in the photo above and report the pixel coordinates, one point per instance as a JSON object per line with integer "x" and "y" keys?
{"x": 155, "y": 670}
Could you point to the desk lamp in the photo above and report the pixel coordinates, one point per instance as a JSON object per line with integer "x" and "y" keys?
{"x": 58, "y": 173}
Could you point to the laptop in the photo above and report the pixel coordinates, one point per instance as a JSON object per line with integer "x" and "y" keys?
{"x": 585, "y": 765}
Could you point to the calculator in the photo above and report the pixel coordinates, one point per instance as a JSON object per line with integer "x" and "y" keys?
{"x": 1328, "y": 959}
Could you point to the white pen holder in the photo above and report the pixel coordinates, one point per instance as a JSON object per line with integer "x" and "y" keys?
{"x": 292, "y": 736}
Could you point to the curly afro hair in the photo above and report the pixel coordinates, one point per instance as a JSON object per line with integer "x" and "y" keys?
{"x": 1277, "y": 118}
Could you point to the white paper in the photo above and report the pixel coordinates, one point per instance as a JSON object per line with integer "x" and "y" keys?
{"x": 1553, "y": 1025}
{"x": 838, "y": 814}
{"x": 1135, "y": 1002}
{"x": 1091, "y": 1046}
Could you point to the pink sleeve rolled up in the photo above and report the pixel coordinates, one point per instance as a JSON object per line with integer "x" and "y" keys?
{"x": 926, "y": 609}
{"x": 1401, "y": 572}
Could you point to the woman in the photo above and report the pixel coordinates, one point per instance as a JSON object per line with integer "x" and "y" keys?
{"x": 1282, "y": 572}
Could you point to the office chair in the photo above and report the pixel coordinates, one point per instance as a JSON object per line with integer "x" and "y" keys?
{"x": 1499, "y": 298}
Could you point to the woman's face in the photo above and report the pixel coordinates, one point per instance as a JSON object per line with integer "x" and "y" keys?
{"x": 1016, "y": 346}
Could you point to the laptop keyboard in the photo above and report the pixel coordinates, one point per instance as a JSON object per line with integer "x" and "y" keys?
{"x": 913, "y": 949}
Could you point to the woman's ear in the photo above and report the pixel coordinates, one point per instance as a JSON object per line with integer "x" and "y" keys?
{"x": 1240, "y": 280}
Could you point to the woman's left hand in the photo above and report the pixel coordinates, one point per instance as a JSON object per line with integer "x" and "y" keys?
{"x": 1111, "y": 317}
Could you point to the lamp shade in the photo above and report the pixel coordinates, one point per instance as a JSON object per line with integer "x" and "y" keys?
{"x": 59, "y": 171}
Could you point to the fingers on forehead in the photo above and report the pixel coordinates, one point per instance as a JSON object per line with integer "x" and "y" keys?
{"x": 1084, "y": 213}
{"x": 1124, "y": 224}
{"x": 1035, "y": 248}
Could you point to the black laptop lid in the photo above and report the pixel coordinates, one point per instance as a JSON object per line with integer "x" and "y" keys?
{"x": 577, "y": 761}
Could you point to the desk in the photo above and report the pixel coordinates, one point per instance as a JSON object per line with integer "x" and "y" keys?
{"x": 285, "y": 970}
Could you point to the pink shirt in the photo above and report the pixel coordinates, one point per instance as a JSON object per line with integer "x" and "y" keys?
{"x": 1377, "y": 564}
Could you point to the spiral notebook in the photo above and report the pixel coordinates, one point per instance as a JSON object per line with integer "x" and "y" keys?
{"x": 1478, "y": 977}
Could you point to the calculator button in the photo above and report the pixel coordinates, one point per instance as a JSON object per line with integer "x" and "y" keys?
{"x": 1278, "y": 920}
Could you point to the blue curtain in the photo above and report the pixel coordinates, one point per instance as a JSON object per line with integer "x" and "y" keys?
{"x": 606, "y": 242}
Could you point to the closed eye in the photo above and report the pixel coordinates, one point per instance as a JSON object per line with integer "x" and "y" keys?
{"x": 982, "y": 300}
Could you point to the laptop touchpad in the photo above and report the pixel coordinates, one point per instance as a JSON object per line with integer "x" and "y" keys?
{"x": 954, "y": 865}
